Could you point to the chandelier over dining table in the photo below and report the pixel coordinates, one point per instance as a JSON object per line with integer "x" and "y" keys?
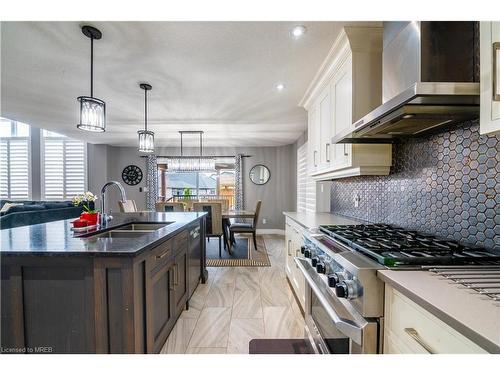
{"x": 183, "y": 163}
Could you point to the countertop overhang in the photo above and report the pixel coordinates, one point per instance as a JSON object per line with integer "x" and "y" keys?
{"x": 56, "y": 238}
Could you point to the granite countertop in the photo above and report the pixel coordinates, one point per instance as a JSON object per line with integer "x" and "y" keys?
{"x": 312, "y": 220}
{"x": 56, "y": 238}
{"x": 474, "y": 316}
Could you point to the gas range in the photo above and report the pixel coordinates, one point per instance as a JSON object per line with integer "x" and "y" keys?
{"x": 340, "y": 264}
{"x": 395, "y": 247}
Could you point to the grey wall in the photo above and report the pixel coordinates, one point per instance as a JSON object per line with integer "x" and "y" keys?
{"x": 117, "y": 159}
{"x": 97, "y": 168}
{"x": 36, "y": 166}
{"x": 278, "y": 195}
{"x": 446, "y": 184}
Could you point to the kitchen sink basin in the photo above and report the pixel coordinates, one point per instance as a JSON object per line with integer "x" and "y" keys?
{"x": 120, "y": 234}
{"x": 142, "y": 227}
{"x": 130, "y": 230}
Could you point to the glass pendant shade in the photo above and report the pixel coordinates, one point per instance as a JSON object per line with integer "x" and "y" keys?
{"x": 92, "y": 114}
{"x": 190, "y": 164}
{"x": 146, "y": 141}
{"x": 92, "y": 110}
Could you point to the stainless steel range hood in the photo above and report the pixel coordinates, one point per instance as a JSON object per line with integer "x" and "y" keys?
{"x": 428, "y": 81}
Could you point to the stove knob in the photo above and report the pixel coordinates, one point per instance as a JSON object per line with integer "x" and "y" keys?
{"x": 302, "y": 250}
{"x": 320, "y": 267}
{"x": 307, "y": 253}
{"x": 314, "y": 261}
{"x": 335, "y": 278}
{"x": 341, "y": 290}
{"x": 349, "y": 289}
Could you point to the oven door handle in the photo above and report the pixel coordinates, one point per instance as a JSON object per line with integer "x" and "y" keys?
{"x": 347, "y": 327}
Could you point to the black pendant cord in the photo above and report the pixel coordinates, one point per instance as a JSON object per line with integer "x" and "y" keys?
{"x": 146, "y": 110}
{"x": 91, "y": 67}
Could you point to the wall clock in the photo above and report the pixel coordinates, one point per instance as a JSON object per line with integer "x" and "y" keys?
{"x": 132, "y": 175}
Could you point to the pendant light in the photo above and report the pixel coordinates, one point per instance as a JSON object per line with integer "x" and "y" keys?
{"x": 92, "y": 110}
{"x": 191, "y": 163}
{"x": 146, "y": 137}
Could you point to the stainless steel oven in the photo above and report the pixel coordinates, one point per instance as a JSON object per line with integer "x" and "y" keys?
{"x": 333, "y": 324}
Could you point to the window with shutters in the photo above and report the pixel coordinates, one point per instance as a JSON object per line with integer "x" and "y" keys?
{"x": 64, "y": 166}
{"x": 306, "y": 187}
{"x": 15, "y": 175}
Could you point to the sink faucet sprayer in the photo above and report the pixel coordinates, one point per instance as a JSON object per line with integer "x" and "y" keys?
{"x": 105, "y": 217}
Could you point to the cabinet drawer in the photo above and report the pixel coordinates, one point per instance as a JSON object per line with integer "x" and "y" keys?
{"x": 180, "y": 241}
{"x": 160, "y": 256}
{"x": 420, "y": 331}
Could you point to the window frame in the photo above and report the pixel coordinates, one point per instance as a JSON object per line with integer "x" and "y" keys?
{"x": 42, "y": 165}
{"x": 13, "y": 124}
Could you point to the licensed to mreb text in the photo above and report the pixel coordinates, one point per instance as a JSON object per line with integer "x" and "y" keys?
{"x": 24, "y": 350}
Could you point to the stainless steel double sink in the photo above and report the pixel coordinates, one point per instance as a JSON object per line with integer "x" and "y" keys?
{"x": 131, "y": 230}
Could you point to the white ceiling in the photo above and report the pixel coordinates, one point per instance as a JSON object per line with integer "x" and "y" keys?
{"x": 218, "y": 77}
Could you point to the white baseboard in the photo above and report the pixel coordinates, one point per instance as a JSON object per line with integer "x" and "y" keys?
{"x": 271, "y": 231}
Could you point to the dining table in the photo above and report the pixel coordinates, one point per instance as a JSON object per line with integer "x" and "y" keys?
{"x": 226, "y": 223}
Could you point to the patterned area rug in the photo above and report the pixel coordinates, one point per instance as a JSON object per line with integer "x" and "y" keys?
{"x": 243, "y": 253}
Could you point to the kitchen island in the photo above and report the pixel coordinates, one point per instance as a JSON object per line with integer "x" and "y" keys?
{"x": 117, "y": 289}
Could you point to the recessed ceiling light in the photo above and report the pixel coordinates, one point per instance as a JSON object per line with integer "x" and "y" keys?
{"x": 280, "y": 87}
{"x": 298, "y": 31}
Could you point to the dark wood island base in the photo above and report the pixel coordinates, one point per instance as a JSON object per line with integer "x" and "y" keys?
{"x": 101, "y": 303}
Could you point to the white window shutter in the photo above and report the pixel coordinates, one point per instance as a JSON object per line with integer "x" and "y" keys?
{"x": 15, "y": 168}
{"x": 306, "y": 187}
{"x": 64, "y": 168}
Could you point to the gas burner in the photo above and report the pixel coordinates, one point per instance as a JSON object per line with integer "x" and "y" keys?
{"x": 396, "y": 247}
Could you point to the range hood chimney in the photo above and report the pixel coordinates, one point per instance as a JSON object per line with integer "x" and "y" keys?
{"x": 428, "y": 81}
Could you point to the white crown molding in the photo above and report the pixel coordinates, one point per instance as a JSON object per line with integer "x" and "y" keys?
{"x": 351, "y": 39}
{"x": 340, "y": 47}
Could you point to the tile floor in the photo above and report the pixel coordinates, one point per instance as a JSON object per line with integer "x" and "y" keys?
{"x": 239, "y": 304}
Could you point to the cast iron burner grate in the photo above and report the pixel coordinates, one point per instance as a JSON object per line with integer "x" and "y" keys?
{"x": 395, "y": 247}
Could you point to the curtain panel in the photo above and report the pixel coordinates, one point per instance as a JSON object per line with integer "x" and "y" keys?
{"x": 238, "y": 182}
{"x": 151, "y": 182}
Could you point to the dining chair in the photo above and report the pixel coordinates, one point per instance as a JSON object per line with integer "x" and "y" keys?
{"x": 246, "y": 227}
{"x": 127, "y": 206}
{"x": 169, "y": 206}
{"x": 224, "y": 202}
{"x": 213, "y": 220}
{"x": 188, "y": 202}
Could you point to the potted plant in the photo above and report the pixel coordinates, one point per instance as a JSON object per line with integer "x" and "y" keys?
{"x": 88, "y": 214}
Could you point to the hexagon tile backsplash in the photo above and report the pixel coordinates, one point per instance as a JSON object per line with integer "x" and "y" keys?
{"x": 446, "y": 184}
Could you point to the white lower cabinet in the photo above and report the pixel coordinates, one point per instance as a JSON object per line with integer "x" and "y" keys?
{"x": 293, "y": 242}
{"x": 410, "y": 329}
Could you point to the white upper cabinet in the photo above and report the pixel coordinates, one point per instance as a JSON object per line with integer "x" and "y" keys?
{"x": 325, "y": 133}
{"x": 341, "y": 95}
{"x": 312, "y": 152}
{"x": 347, "y": 86}
{"x": 490, "y": 77}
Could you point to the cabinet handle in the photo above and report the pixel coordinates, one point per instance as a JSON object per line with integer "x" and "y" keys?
{"x": 162, "y": 255}
{"x": 176, "y": 274}
{"x": 288, "y": 248}
{"x": 412, "y": 332}
{"x": 327, "y": 151}
{"x": 314, "y": 157}
{"x": 171, "y": 283}
{"x": 345, "y": 151}
{"x": 495, "y": 72}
